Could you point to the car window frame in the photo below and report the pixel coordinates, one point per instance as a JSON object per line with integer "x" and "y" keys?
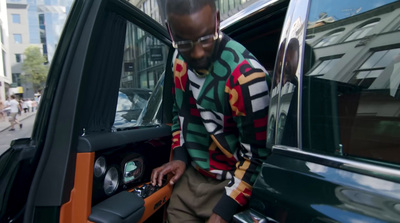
{"x": 56, "y": 147}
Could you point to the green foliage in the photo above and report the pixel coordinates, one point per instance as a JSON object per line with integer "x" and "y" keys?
{"x": 35, "y": 70}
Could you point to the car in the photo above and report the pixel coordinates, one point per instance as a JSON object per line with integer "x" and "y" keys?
{"x": 332, "y": 137}
{"x": 333, "y": 118}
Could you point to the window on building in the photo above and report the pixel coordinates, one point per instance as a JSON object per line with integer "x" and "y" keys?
{"x": 324, "y": 66}
{"x": 310, "y": 37}
{"x": 330, "y": 38}
{"x": 373, "y": 68}
{"x": 16, "y": 78}
{"x": 1, "y": 34}
{"x": 17, "y": 38}
{"x": 4, "y": 63}
{"x": 16, "y": 18}
{"x": 18, "y": 58}
{"x": 362, "y": 31}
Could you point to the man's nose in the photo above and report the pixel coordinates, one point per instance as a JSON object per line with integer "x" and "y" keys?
{"x": 197, "y": 51}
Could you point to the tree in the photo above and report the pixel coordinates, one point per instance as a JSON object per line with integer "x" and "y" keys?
{"x": 35, "y": 70}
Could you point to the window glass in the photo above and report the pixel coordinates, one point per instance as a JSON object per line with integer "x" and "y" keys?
{"x": 18, "y": 58}
{"x": 325, "y": 66}
{"x": 373, "y": 67}
{"x": 330, "y": 39}
{"x": 350, "y": 103}
{"x": 17, "y": 38}
{"x": 1, "y": 34}
{"x": 362, "y": 31}
{"x": 140, "y": 93}
{"x": 151, "y": 8}
{"x": 4, "y": 63}
{"x": 16, "y": 18}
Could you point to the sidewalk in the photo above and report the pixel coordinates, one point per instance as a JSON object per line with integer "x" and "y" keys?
{"x": 5, "y": 124}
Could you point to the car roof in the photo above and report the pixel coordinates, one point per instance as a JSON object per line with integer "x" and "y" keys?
{"x": 247, "y": 12}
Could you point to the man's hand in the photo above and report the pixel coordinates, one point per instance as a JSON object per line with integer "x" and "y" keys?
{"x": 216, "y": 219}
{"x": 176, "y": 167}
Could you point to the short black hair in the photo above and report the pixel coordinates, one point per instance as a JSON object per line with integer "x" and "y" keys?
{"x": 187, "y": 7}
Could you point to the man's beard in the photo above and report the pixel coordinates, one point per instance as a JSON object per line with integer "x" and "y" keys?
{"x": 206, "y": 63}
{"x": 202, "y": 64}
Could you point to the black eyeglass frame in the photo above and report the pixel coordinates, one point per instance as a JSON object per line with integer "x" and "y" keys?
{"x": 176, "y": 44}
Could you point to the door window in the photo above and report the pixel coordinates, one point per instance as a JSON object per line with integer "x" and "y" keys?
{"x": 350, "y": 104}
{"x": 140, "y": 92}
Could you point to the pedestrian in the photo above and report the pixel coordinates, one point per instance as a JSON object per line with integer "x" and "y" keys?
{"x": 20, "y": 106}
{"x": 29, "y": 103}
{"x": 15, "y": 107}
{"x": 2, "y": 114}
{"x": 25, "y": 106}
{"x": 220, "y": 117}
{"x": 34, "y": 105}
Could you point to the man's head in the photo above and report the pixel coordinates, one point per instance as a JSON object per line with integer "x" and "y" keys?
{"x": 194, "y": 28}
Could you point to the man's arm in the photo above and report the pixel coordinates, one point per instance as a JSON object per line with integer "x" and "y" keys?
{"x": 248, "y": 94}
{"x": 180, "y": 158}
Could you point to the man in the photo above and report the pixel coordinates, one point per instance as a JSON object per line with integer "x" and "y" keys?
{"x": 220, "y": 117}
{"x": 14, "y": 109}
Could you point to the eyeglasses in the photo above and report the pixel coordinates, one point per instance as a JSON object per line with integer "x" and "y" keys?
{"x": 187, "y": 45}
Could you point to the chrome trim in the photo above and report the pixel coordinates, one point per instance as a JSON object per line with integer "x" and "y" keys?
{"x": 100, "y": 166}
{"x": 345, "y": 164}
{"x": 300, "y": 84}
{"x": 247, "y": 12}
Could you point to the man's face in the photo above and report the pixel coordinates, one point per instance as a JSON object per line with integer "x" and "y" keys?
{"x": 192, "y": 27}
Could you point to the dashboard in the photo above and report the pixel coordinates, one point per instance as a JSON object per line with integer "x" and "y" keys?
{"x": 127, "y": 168}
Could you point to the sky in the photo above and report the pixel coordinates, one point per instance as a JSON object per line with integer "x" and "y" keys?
{"x": 338, "y": 11}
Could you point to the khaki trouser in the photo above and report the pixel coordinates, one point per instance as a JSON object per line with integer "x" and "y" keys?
{"x": 194, "y": 197}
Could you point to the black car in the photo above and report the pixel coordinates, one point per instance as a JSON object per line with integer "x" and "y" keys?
{"x": 333, "y": 130}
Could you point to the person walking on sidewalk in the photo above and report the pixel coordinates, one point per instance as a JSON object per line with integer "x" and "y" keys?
{"x": 2, "y": 113}
{"x": 15, "y": 107}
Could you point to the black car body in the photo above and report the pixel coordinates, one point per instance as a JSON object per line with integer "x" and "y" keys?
{"x": 333, "y": 128}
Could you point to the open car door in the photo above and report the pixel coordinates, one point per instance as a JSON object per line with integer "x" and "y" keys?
{"x": 79, "y": 165}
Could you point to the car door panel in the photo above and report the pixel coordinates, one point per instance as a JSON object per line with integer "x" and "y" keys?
{"x": 332, "y": 130}
{"x": 74, "y": 125}
{"x": 306, "y": 187}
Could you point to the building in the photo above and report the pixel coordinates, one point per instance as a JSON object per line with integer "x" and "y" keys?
{"x": 33, "y": 22}
{"x": 51, "y": 16}
{"x": 18, "y": 42}
{"x": 5, "y": 73}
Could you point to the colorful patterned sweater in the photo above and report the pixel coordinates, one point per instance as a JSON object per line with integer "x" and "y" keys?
{"x": 220, "y": 120}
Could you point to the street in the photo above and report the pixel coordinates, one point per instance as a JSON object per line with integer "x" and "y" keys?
{"x": 7, "y": 136}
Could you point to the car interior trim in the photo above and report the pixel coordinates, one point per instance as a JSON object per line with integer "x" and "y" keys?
{"x": 153, "y": 202}
{"x": 345, "y": 164}
{"x": 78, "y": 208}
{"x": 99, "y": 141}
{"x": 122, "y": 207}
